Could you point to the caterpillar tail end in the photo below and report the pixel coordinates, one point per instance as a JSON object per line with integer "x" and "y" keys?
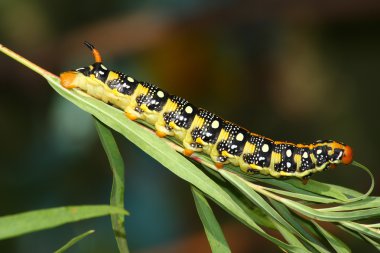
{"x": 347, "y": 155}
{"x": 68, "y": 79}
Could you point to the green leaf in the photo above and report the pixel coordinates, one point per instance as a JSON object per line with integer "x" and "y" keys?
{"x": 212, "y": 228}
{"x": 256, "y": 198}
{"x": 255, "y": 213}
{"x": 289, "y": 237}
{"x": 373, "y": 242}
{"x": 73, "y": 241}
{"x": 299, "y": 224}
{"x": 117, "y": 192}
{"x": 369, "y": 202}
{"x": 320, "y": 188}
{"x": 331, "y": 216}
{"x": 27, "y": 222}
{"x": 362, "y": 229}
{"x": 259, "y": 201}
{"x": 337, "y": 244}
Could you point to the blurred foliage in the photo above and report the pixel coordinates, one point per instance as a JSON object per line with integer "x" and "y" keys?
{"x": 291, "y": 71}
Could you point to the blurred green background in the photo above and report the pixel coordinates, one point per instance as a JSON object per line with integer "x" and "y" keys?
{"x": 289, "y": 70}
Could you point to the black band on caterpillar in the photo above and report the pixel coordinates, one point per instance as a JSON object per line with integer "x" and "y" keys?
{"x": 202, "y": 131}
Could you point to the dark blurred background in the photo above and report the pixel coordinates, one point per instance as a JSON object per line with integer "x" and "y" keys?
{"x": 291, "y": 70}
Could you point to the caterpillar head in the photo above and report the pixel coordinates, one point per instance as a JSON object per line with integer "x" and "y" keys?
{"x": 95, "y": 71}
{"x": 340, "y": 153}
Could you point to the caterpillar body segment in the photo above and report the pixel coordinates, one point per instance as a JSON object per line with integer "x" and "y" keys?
{"x": 203, "y": 131}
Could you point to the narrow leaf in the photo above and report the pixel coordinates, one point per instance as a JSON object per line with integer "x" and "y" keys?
{"x": 289, "y": 237}
{"x": 298, "y": 224}
{"x": 259, "y": 201}
{"x": 369, "y": 202}
{"x": 27, "y": 222}
{"x": 73, "y": 241}
{"x": 337, "y": 244}
{"x": 362, "y": 229}
{"x": 117, "y": 192}
{"x": 212, "y": 228}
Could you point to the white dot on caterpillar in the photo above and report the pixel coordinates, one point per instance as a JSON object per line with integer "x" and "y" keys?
{"x": 130, "y": 79}
{"x": 215, "y": 124}
{"x": 288, "y": 164}
{"x": 319, "y": 151}
{"x": 103, "y": 67}
{"x": 240, "y": 137}
{"x": 101, "y": 72}
{"x": 288, "y": 153}
{"x": 188, "y": 109}
{"x": 305, "y": 155}
{"x": 160, "y": 94}
{"x": 265, "y": 148}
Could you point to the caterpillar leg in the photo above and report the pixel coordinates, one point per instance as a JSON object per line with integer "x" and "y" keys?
{"x": 188, "y": 152}
{"x": 190, "y": 145}
{"x": 68, "y": 79}
{"x": 160, "y": 134}
{"x": 219, "y": 165}
{"x": 306, "y": 178}
{"x": 131, "y": 116}
{"x": 218, "y": 158}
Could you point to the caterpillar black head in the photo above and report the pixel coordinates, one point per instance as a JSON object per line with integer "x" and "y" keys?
{"x": 96, "y": 70}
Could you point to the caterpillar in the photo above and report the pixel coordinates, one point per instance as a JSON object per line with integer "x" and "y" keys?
{"x": 202, "y": 131}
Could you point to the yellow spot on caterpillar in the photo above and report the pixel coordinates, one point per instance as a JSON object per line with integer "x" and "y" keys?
{"x": 215, "y": 124}
{"x": 188, "y": 109}
{"x": 112, "y": 76}
{"x": 172, "y": 124}
{"x": 265, "y": 148}
{"x": 130, "y": 79}
{"x": 224, "y": 153}
{"x": 239, "y": 137}
{"x": 144, "y": 107}
{"x": 160, "y": 94}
